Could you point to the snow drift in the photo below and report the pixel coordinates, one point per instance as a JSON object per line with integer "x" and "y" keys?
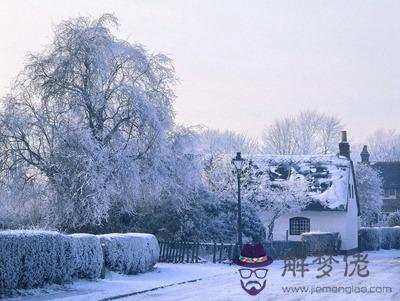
{"x": 130, "y": 253}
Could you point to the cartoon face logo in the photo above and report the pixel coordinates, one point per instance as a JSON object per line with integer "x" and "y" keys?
{"x": 253, "y": 280}
{"x": 253, "y": 273}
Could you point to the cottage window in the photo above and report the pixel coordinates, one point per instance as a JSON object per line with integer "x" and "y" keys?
{"x": 392, "y": 192}
{"x": 299, "y": 225}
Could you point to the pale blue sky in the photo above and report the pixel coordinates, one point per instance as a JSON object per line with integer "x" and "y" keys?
{"x": 244, "y": 63}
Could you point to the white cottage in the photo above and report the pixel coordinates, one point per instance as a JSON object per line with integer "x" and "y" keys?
{"x": 332, "y": 188}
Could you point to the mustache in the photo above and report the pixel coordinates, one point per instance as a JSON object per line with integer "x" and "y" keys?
{"x": 252, "y": 282}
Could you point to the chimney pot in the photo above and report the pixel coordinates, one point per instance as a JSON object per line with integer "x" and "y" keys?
{"x": 344, "y": 146}
{"x": 365, "y": 155}
{"x": 343, "y": 136}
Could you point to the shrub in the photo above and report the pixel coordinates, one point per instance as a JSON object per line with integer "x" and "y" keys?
{"x": 280, "y": 249}
{"x": 386, "y": 237}
{"x": 318, "y": 243}
{"x": 396, "y": 238}
{"x": 369, "y": 239}
{"x": 87, "y": 255}
{"x": 30, "y": 259}
{"x": 130, "y": 253}
{"x": 394, "y": 219}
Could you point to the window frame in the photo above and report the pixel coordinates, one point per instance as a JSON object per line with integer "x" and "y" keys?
{"x": 297, "y": 220}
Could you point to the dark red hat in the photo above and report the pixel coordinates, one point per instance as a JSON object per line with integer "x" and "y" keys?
{"x": 253, "y": 256}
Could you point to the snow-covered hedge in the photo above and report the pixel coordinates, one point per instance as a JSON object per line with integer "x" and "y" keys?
{"x": 281, "y": 249}
{"x": 87, "y": 255}
{"x": 32, "y": 258}
{"x": 375, "y": 238}
{"x": 318, "y": 243}
{"x": 130, "y": 253}
{"x": 369, "y": 239}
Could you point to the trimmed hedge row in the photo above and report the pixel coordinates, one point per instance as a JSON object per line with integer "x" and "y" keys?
{"x": 130, "y": 253}
{"x": 375, "y": 238}
{"x": 30, "y": 259}
{"x": 87, "y": 255}
{"x": 318, "y": 243}
{"x": 281, "y": 249}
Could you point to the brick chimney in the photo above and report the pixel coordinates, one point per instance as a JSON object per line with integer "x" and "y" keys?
{"x": 365, "y": 155}
{"x": 344, "y": 146}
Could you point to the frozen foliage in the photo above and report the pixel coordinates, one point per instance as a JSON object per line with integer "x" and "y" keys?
{"x": 87, "y": 255}
{"x": 214, "y": 142}
{"x": 318, "y": 243}
{"x": 375, "y": 238}
{"x": 130, "y": 253}
{"x": 30, "y": 259}
{"x": 309, "y": 132}
{"x": 369, "y": 188}
{"x": 394, "y": 219}
{"x": 273, "y": 199}
{"x": 89, "y": 122}
{"x": 385, "y": 145}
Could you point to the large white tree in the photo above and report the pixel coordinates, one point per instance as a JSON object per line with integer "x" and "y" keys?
{"x": 309, "y": 132}
{"x": 90, "y": 120}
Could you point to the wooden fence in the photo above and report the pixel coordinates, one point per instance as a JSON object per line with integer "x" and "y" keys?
{"x": 194, "y": 252}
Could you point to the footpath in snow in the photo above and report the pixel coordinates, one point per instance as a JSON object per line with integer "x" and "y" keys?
{"x": 222, "y": 282}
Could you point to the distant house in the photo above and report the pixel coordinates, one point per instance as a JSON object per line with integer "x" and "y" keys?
{"x": 390, "y": 173}
{"x": 332, "y": 189}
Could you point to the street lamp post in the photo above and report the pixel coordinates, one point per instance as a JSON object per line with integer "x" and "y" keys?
{"x": 238, "y": 162}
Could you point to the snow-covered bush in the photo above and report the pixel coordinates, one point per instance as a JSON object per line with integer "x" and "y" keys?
{"x": 369, "y": 238}
{"x": 396, "y": 238}
{"x": 281, "y": 249}
{"x": 375, "y": 238}
{"x": 394, "y": 219}
{"x": 87, "y": 255}
{"x": 32, "y": 258}
{"x": 321, "y": 242}
{"x": 130, "y": 253}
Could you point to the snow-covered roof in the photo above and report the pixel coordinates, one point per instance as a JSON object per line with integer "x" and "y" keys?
{"x": 327, "y": 176}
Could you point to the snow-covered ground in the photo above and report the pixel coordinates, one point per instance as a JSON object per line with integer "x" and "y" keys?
{"x": 221, "y": 282}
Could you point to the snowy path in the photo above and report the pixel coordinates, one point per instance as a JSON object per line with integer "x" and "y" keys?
{"x": 221, "y": 282}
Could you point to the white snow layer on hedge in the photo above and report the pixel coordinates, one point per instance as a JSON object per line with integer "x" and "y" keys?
{"x": 130, "y": 253}
{"x": 32, "y": 258}
{"x": 87, "y": 256}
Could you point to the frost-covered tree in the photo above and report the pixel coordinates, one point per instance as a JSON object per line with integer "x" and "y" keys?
{"x": 384, "y": 145}
{"x": 90, "y": 119}
{"x": 369, "y": 188}
{"x": 214, "y": 142}
{"x": 277, "y": 199}
{"x": 271, "y": 199}
{"x": 309, "y": 132}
